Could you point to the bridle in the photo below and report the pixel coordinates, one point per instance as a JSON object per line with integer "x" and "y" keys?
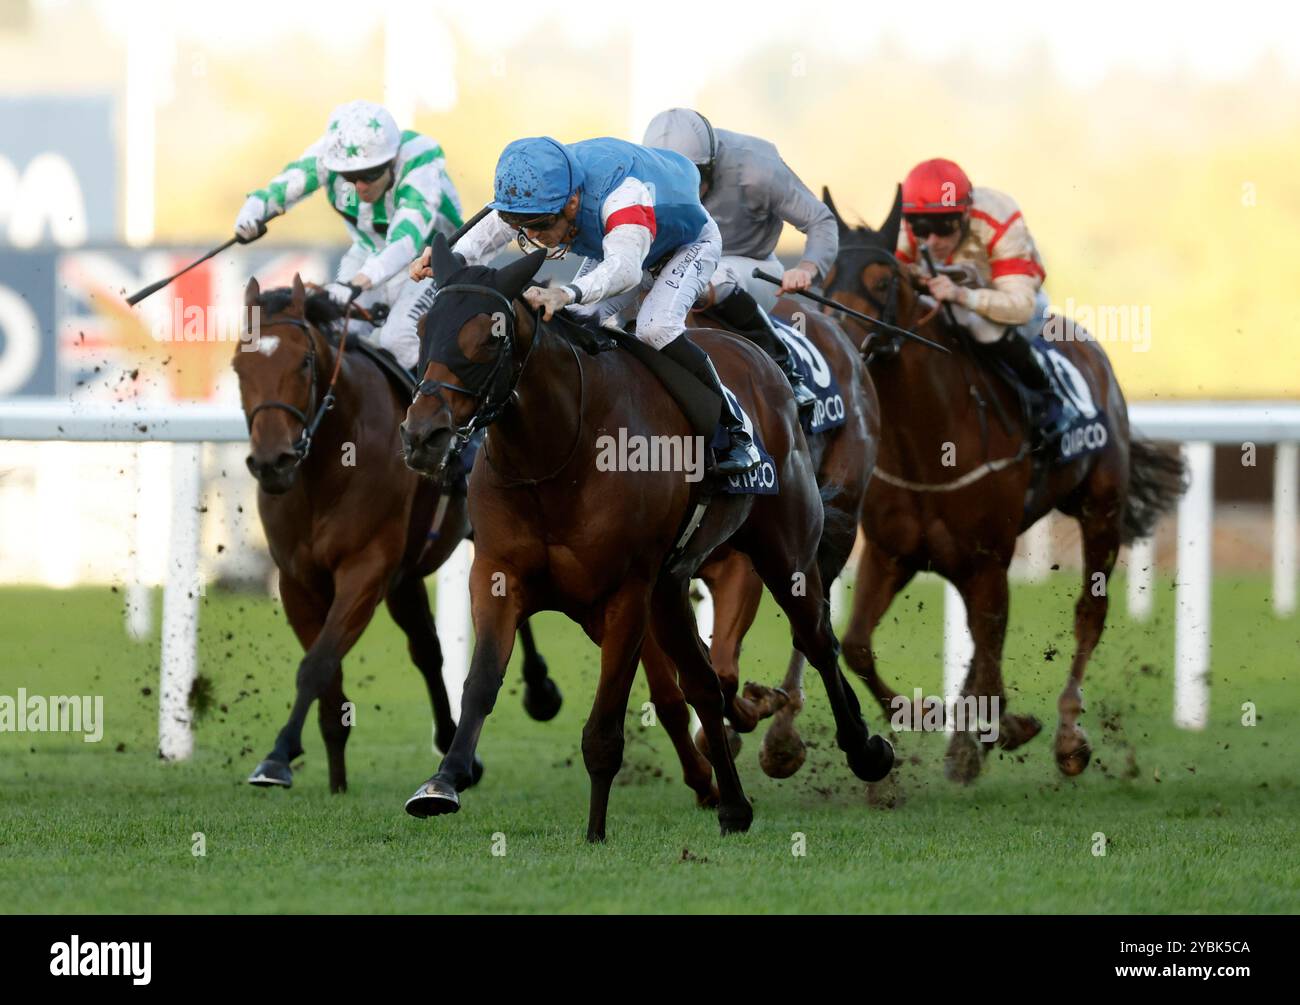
{"x": 498, "y": 389}
{"x": 878, "y": 344}
{"x": 302, "y": 445}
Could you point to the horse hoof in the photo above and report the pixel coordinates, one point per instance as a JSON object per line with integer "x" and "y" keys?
{"x": 735, "y": 819}
{"x": 272, "y": 774}
{"x": 1073, "y": 752}
{"x": 1015, "y": 730}
{"x": 783, "y": 751}
{"x": 433, "y": 798}
{"x": 734, "y": 741}
{"x": 875, "y": 761}
{"x": 961, "y": 763}
{"x": 542, "y": 703}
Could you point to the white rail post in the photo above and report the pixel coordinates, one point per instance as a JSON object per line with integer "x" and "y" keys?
{"x": 1141, "y": 578}
{"x": 1195, "y": 550}
{"x": 1035, "y": 563}
{"x": 180, "y": 618}
{"x": 139, "y": 599}
{"x": 452, "y": 619}
{"x": 958, "y": 648}
{"x": 1286, "y": 510}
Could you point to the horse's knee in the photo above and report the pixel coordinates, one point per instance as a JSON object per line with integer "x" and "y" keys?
{"x": 316, "y": 670}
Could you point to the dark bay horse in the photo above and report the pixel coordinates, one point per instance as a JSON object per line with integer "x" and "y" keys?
{"x": 961, "y": 519}
{"x": 347, "y": 523}
{"x": 554, "y": 532}
{"x": 843, "y": 457}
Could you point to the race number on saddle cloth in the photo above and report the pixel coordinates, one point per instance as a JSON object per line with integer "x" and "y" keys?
{"x": 635, "y": 214}
{"x": 828, "y": 407}
{"x": 392, "y": 191}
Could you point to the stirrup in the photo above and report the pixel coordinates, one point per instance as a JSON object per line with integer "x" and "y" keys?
{"x": 739, "y": 455}
{"x": 804, "y": 398}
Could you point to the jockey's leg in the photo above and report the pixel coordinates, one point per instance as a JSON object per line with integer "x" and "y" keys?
{"x": 661, "y": 321}
{"x": 763, "y": 292}
{"x": 736, "y": 307}
{"x": 400, "y": 334}
{"x": 1015, "y": 348}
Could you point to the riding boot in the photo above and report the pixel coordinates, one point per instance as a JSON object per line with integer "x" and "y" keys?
{"x": 741, "y": 313}
{"x": 1017, "y": 352}
{"x": 739, "y": 454}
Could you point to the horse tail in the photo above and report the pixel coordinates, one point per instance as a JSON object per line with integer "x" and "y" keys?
{"x": 1156, "y": 478}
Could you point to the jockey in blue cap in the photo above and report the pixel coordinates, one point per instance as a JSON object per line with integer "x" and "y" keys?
{"x": 635, "y": 213}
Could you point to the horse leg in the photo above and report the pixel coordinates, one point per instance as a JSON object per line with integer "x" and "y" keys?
{"x": 737, "y": 592}
{"x": 1100, "y": 549}
{"x": 621, "y": 637}
{"x": 358, "y": 587}
{"x": 542, "y": 698}
{"x": 881, "y": 577}
{"x": 408, "y": 603}
{"x": 987, "y": 600}
{"x": 495, "y": 620}
{"x": 870, "y": 757}
{"x": 670, "y": 709}
{"x": 335, "y": 726}
{"x": 678, "y": 635}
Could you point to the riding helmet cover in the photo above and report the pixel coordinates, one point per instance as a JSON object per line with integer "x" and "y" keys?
{"x": 686, "y": 131}
{"x": 361, "y": 135}
{"x": 935, "y": 187}
{"x": 536, "y": 175}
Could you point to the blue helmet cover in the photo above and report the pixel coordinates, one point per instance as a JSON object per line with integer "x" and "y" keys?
{"x": 535, "y": 175}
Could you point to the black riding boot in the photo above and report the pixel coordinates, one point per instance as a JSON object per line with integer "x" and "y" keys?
{"x": 1017, "y": 352}
{"x": 740, "y": 454}
{"x": 741, "y": 313}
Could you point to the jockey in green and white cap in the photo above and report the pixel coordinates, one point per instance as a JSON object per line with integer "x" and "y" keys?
{"x": 393, "y": 192}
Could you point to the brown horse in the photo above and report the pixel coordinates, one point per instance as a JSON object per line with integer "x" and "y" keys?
{"x": 843, "y": 457}
{"x": 347, "y": 524}
{"x": 923, "y": 511}
{"x": 615, "y": 551}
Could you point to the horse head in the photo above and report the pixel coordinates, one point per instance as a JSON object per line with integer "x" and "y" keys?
{"x": 473, "y": 343}
{"x": 278, "y": 366}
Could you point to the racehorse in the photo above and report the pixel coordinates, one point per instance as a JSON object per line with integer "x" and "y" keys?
{"x": 843, "y": 457}
{"x": 954, "y": 487}
{"x": 347, "y": 523}
{"x": 614, "y": 551}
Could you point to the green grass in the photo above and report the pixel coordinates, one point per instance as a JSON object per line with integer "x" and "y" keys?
{"x": 1195, "y": 822}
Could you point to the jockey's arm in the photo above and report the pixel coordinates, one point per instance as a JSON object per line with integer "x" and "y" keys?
{"x": 628, "y": 217}
{"x": 299, "y": 179}
{"x": 795, "y": 204}
{"x": 485, "y": 240}
{"x": 1009, "y": 300}
{"x": 415, "y": 203}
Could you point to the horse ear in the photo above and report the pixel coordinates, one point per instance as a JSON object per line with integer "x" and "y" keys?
{"x": 893, "y": 223}
{"x": 514, "y": 277}
{"x": 299, "y": 299}
{"x": 445, "y": 262}
{"x": 252, "y": 293}
{"x": 830, "y": 204}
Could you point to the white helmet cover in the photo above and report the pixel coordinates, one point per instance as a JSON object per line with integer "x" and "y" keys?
{"x": 361, "y": 135}
{"x": 685, "y": 131}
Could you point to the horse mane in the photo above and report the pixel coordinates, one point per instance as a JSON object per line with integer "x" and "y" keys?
{"x": 319, "y": 308}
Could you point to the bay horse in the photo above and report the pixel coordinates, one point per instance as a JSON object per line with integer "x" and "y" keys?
{"x": 961, "y": 519}
{"x": 843, "y": 457}
{"x": 613, "y": 550}
{"x": 348, "y": 525}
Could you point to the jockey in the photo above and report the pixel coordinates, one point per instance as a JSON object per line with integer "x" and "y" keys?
{"x": 393, "y": 192}
{"x": 635, "y": 214}
{"x": 983, "y": 231}
{"x": 752, "y": 193}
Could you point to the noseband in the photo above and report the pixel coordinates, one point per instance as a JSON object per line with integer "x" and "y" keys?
{"x": 302, "y": 445}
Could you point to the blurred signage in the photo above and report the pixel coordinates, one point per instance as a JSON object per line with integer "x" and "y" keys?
{"x": 58, "y": 171}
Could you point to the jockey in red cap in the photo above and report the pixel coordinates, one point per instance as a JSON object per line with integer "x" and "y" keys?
{"x": 981, "y": 231}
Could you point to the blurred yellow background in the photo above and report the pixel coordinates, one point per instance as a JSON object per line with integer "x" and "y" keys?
{"x": 1150, "y": 183}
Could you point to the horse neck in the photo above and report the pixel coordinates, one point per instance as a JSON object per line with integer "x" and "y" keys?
{"x": 536, "y": 431}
